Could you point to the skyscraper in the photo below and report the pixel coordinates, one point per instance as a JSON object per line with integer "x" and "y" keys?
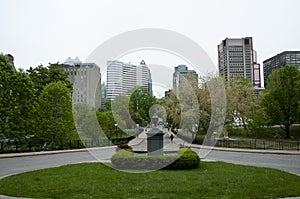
{"x": 121, "y": 77}
{"x": 236, "y": 58}
{"x": 182, "y": 77}
{"x": 286, "y": 58}
{"x": 86, "y": 79}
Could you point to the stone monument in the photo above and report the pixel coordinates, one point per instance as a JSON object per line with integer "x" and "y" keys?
{"x": 155, "y": 138}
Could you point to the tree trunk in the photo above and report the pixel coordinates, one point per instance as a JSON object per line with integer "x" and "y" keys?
{"x": 245, "y": 127}
{"x": 287, "y": 131}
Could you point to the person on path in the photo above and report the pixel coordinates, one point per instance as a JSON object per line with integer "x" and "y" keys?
{"x": 171, "y": 137}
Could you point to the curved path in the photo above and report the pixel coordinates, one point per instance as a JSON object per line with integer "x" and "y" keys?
{"x": 13, "y": 165}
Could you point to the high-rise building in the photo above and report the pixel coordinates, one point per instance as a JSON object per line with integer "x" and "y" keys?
{"x": 286, "y": 58}
{"x": 86, "y": 79}
{"x": 236, "y": 58}
{"x": 182, "y": 76}
{"x": 122, "y": 77}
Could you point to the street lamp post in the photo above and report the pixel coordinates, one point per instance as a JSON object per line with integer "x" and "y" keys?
{"x": 195, "y": 130}
{"x": 116, "y": 129}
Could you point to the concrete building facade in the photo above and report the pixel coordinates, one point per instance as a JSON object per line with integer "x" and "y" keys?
{"x": 286, "y": 58}
{"x": 236, "y": 58}
{"x": 86, "y": 79}
{"x": 183, "y": 77}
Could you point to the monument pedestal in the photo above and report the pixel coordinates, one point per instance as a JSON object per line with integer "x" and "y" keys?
{"x": 155, "y": 142}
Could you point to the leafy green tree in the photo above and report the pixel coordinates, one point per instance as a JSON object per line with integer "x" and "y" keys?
{"x": 204, "y": 107}
{"x": 121, "y": 112}
{"x": 107, "y": 123}
{"x": 242, "y": 99}
{"x": 281, "y": 97}
{"x": 90, "y": 126}
{"x": 17, "y": 102}
{"x": 55, "y": 113}
{"x": 41, "y": 76}
{"x": 173, "y": 109}
{"x": 212, "y": 107}
{"x": 80, "y": 110}
{"x": 106, "y": 107}
{"x": 189, "y": 105}
{"x": 258, "y": 120}
{"x": 140, "y": 103}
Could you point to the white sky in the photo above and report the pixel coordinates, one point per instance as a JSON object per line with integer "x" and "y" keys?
{"x": 42, "y": 31}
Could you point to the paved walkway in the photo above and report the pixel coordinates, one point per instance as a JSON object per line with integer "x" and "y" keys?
{"x": 18, "y": 163}
{"x": 140, "y": 143}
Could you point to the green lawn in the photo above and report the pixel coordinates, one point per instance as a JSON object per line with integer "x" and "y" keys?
{"x": 95, "y": 180}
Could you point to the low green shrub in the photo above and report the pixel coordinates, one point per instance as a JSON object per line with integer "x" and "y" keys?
{"x": 125, "y": 147}
{"x": 185, "y": 159}
{"x": 188, "y": 159}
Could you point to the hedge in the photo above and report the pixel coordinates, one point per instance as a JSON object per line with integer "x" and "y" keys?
{"x": 185, "y": 159}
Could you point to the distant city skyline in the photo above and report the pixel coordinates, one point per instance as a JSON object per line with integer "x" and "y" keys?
{"x": 41, "y": 32}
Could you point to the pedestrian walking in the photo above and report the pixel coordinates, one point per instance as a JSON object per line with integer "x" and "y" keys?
{"x": 171, "y": 137}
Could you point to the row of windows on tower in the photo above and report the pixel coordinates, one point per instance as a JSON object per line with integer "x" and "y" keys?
{"x": 236, "y": 69}
{"x": 77, "y": 73}
{"x": 239, "y": 75}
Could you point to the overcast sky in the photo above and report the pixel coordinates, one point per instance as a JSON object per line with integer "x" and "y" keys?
{"x": 42, "y": 31}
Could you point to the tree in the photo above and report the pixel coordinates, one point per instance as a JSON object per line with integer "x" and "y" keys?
{"x": 106, "y": 107}
{"x": 140, "y": 103}
{"x": 241, "y": 101}
{"x": 281, "y": 97}
{"x": 55, "y": 113}
{"x": 121, "y": 113}
{"x": 80, "y": 110}
{"x": 204, "y": 106}
{"x": 107, "y": 123}
{"x": 90, "y": 126}
{"x": 181, "y": 104}
{"x": 41, "y": 76}
{"x": 17, "y": 102}
{"x": 212, "y": 107}
{"x": 172, "y": 107}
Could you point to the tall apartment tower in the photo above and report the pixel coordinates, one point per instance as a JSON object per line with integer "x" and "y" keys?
{"x": 182, "y": 76}
{"x": 236, "y": 58}
{"x": 286, "y": 58}
{"x": 86, "y": 79}
{"x": 122, "y": 77}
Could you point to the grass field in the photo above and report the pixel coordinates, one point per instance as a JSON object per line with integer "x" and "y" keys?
{"x": 95, "y": 180}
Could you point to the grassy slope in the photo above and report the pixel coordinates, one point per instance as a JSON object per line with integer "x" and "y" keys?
{"x": 95, "y": 180}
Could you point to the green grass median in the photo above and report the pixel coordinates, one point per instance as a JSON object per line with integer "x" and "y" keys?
{"x": 95, "y": 180}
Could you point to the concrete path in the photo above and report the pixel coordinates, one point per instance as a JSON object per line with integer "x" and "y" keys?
{"x": 13, "y": 163}
{"x": 288, "y": 161}
{"x": 140, "y": 143}
{"x": 35, "y": 161}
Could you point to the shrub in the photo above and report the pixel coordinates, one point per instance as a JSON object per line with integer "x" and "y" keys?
{"x": 185, "y": 159}
{"x": 188, "y": 159}
{"x": 125, "y": 147}
{"x": 124, "y": 159}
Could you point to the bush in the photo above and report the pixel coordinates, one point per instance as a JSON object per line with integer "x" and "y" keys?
{"x": 125, "y": 147}
{"x": 123, "y": 140}
{"x": 188, "y": 159}
{"x": 185, "y": 159}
